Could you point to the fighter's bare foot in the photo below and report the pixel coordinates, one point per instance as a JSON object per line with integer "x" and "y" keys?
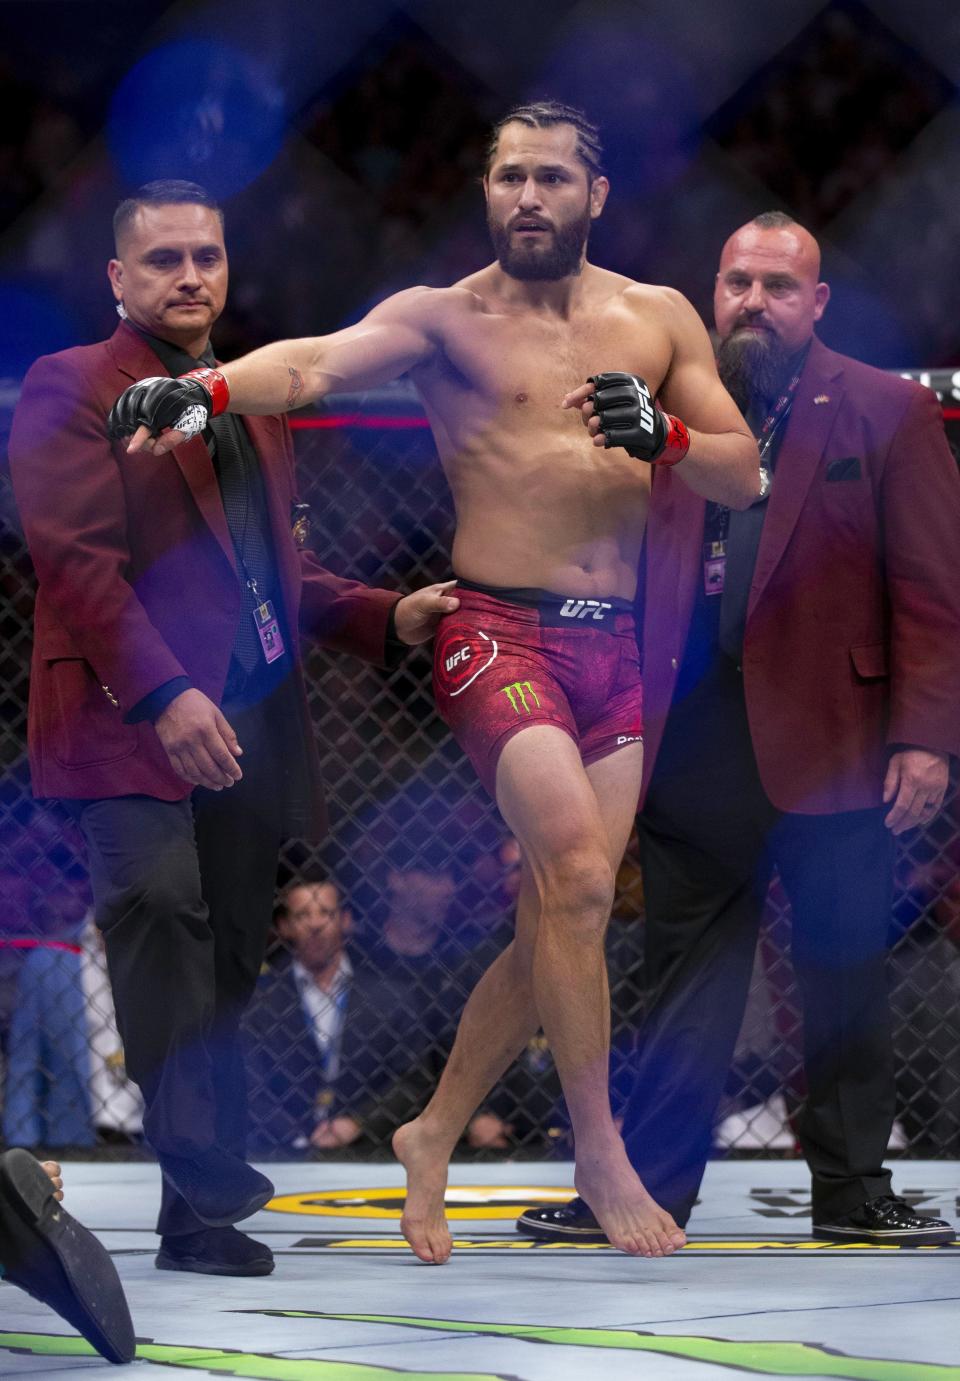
{"x": 632, "y": 1220}
{"x": 53, "y": 1170}
{"x": 424, "y": 1222}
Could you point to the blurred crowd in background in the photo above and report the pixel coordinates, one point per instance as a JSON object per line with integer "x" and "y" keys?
{"x": 346, "y": 148}
{"x": 346, "y": 145}
{"x": 355, "y": 1012}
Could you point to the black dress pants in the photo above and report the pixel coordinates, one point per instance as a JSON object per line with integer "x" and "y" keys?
{"x": 183, "y": 893}
{"x": 709, "y": 840}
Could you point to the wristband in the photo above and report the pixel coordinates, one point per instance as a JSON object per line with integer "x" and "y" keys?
{"x": 215, "y": 384}
{"x": 676, "y": 442}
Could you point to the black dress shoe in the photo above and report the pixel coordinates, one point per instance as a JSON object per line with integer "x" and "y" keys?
{"x": 215, "y": 1252}
{"x": 54, "y": 1258}
{"x": 220, "y": 1188}
{"x": 888, "y": 1220}
{"x": 573, "y": 1222}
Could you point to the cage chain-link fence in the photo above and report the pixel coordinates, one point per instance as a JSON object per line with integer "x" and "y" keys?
{"x": 427, "y": 877}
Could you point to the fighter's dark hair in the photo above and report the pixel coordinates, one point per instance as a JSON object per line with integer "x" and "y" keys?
{"x": 545, "y": 114}
{"x": 773, "y": 220}
{"x": 166, "y": 191}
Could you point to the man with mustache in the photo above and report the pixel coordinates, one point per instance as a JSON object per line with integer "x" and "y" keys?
{"x": 167, "y": 704}
{"x": 537, "y": 673}
{"x": 801, "y": 661}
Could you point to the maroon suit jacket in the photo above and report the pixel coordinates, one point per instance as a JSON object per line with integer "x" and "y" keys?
{"x": 852, "y": 641}
{"x": 137, "y": 575}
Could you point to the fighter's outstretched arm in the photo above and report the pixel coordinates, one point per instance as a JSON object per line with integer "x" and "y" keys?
{"x": 721, "y": 462}
{"x": 402, "y": 332}
{"x": 391, "y": 339}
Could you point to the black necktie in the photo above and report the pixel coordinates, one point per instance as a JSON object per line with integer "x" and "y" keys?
{"x": 743, "y": 542}
{"x": 237, "y": 490}
{"x": 744, "y": 530}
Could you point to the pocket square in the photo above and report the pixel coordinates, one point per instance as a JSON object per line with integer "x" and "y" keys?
{"x": 848, "y": 468}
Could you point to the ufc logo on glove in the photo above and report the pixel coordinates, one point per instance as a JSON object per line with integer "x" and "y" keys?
{"x": 645, "y": 403}
{"x": 630, "y": 418}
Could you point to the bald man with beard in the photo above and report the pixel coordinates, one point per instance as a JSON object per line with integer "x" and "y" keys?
{"x": 800, "y": 667}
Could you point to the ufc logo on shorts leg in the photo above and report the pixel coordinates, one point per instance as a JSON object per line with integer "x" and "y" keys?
{"x": 517, "y": 695}
{"x": 463, "y": 655}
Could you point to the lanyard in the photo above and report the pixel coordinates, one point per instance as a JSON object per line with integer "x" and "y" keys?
{"x": 719, "y": 520}
{"x": 776, "y": 415}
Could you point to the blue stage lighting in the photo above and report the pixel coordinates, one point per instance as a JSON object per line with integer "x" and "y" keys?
{"x": 33, "y": 324}
{"x": 199, "y": 110}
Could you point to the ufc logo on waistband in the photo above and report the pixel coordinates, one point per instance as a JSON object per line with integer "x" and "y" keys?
{"x": 584, "y": 609}
{"x": 646, "y": 406}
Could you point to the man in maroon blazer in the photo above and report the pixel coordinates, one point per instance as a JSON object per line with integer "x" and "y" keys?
{"x": 801, "y": 663}
{"x": 167, "y": 704}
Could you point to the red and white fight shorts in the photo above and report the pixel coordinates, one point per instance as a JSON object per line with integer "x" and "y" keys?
{"x": 511, "y": 658}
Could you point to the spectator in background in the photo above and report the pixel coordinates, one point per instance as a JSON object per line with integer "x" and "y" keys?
{"x": 484, "y": 922}
{"x": 295, "y": 1027}
{"x": 433, "y": 964}
{"x": 340, "y": 1048}
{"x": 413, "y": 936}
{"x": 66, "y": 1080}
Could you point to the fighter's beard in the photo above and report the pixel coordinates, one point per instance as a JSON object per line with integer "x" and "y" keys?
{"x": 535, "y": 263}
{"x": 753, "y": 367}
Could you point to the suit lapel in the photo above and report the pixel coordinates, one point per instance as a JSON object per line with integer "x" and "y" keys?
{"x": 804, "y": 443}
{"x": 135, "y": 359}
{"x": 197, "y": 469}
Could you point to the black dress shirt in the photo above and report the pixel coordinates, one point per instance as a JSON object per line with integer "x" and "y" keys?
{"x": 237, "y": 469}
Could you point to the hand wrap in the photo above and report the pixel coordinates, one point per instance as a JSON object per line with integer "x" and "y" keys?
{"x": 629, "y": 417}
{"x": 185, "y": 404}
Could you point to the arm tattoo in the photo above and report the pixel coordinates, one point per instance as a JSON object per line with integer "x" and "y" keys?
{"x": 296, "y": 388}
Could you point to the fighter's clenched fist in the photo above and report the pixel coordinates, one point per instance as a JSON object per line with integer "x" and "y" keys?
{"x": 628, "y": 416}
{"x": 183, "y": 405}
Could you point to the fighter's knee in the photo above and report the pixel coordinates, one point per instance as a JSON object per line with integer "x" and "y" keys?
{"x": 580, "y": 885}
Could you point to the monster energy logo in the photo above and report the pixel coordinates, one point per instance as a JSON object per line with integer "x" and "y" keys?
{"x": 517, "y": 695}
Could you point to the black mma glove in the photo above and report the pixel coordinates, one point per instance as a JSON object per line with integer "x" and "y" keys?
{"x": 186, "y": 404}
{"x": 630, "y": 418}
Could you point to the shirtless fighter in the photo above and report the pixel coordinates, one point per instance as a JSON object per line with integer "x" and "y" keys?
{"x": 537, "y": 672}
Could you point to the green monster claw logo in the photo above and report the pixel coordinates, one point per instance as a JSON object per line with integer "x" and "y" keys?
{"x": 756, "y": 1358}
{"x": 517, "y": 695}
